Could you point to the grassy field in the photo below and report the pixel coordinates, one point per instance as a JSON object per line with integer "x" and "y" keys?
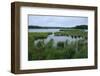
{"x": 42, "y": 51}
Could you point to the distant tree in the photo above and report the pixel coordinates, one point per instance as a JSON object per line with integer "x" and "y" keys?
{"x": 33, "y": 26}
{"x": 42, "y": 27}
{"x": 81, "y": 27}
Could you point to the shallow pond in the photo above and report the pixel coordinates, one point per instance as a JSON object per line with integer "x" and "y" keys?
{"x": 57, "y": 39}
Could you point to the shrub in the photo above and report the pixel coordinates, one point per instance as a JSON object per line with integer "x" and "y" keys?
{"x": 60, "y": 44}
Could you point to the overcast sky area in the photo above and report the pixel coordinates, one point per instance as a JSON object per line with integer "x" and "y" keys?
{"x": 57, "y": 21}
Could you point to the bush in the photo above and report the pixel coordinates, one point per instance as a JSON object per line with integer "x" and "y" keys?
{"x": 60, "y": 44}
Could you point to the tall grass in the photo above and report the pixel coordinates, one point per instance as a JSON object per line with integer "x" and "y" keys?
{"x": 64, "y": 50}
{"x": 34, "y": 51}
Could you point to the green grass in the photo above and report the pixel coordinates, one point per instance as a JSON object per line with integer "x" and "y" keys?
{"x": 64, "y": 50}
{"x": 39, "y": 35}
{"x": 72, "y": 33}
{"x": 34, "y": 51}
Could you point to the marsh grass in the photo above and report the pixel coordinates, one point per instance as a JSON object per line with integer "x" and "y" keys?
{"x": 64, "y": 50}
{"x": 73, "y": 33}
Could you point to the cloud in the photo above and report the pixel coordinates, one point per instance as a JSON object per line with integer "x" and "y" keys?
{"x": 57, "y": 21}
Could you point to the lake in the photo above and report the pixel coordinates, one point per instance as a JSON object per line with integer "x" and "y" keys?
{"x": 43, "y": 30}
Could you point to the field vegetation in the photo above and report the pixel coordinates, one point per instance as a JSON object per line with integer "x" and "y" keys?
{"x": 64, "y": 50}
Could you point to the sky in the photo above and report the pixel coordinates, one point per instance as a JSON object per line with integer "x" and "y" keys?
{"x": 57, "y": 21}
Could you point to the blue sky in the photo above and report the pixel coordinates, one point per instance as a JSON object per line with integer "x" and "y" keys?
{"x": 57, "y": 21}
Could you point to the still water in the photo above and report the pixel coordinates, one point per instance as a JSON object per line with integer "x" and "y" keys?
{"x": 43, "y": 30}
{"x": 56, "y": 39}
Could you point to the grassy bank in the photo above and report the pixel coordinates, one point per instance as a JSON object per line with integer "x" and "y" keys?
{"x": 39, "y": 35}
{"x": 73, "y": 33}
